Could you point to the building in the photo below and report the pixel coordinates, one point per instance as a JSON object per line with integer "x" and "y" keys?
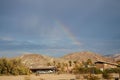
{"x": 105, "y": 65}
{"x": 44, "y": 69}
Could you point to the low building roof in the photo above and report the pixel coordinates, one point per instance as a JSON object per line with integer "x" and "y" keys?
{"x": 102, "y": 62}
{"x": 44, "y": 67}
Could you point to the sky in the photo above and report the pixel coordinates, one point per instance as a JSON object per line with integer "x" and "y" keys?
{"x": 59, "y": 27}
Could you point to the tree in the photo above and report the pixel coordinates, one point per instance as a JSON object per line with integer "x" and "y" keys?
{"x": 54, "y": 63}
{"x": 75, "y": 63}
{"x": 89, "y": 62}
{"x": 70, "y": 63}
{"x": 48, "y": 64}
{"x": 12, "y": 67}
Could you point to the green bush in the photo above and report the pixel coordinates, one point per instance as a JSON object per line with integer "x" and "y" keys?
{"x": 12, "y": 67}
{"x": 82, "y": 70}
{"x": 106, "y": 75}
{"x": 111, "y": 70}
{"x": 91, "y": 77}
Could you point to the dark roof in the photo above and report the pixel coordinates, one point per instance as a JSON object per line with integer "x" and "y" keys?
{"x": 102, "y": 62}
{"x": 44, "y": 67}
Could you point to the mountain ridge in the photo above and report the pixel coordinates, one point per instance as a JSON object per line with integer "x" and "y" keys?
{"x": 116, "y": 57}
{"x": 83, "y": 56}
{"x": 33, "y": 60}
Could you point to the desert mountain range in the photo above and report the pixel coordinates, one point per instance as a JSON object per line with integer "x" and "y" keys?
{"x": 116, "y": 57}
{"x": 33, "y": 60}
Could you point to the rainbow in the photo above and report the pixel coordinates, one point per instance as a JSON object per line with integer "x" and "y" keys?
{"x": 70, "y": 35}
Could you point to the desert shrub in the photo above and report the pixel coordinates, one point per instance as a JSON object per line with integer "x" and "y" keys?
{"x": 82, "y": 70}
{"x": 96, "y": 71}
{"x": 91, "y": 77}
{"x": 106, "y": 75}
{"x": 116, "y": 70}
{"x": 12, "y": 67}
{"x": 113, "y": 70}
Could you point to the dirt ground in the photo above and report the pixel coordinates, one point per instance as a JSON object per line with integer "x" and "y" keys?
{"x": 46, "y": 77}
{"x": 40, "y": 77}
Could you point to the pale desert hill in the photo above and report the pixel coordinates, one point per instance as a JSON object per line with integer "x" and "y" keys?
{"x": 116, "y": 57}
{"x": 34, "y": 60}
{"x": 84, "y": 56}
{"x": 38, "y": 60}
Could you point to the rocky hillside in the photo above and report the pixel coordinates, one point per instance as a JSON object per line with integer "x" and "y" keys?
{"x": 37, "y": 60}
{"x": 116, "y": 57}
{"x": 33, "y": 60}
{"x": 83, "y": 56}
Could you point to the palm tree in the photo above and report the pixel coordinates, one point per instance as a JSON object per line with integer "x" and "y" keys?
{"x": 48, "y": 64}
{"x": 70, "y": 63}
{"x": 75, "y": 62}
{"x": 54, "y": 63}
{"x": 89, "y": 62}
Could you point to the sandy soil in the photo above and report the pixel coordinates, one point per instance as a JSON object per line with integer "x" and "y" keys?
{"x": 46, "y": 77}
{"x": 40, "y": 77}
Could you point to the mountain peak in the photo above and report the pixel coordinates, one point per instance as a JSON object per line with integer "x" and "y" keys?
{"x": 83, "y": 56}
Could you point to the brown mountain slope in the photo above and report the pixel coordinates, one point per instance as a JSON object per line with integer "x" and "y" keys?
{"x": 116, "y": 57}
{"x": 84, "y": 56}
{"x": 37, "y": 60}
{"x": 33, "y": 60}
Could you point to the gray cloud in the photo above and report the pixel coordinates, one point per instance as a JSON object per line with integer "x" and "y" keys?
{"x": 31, "y": 25}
